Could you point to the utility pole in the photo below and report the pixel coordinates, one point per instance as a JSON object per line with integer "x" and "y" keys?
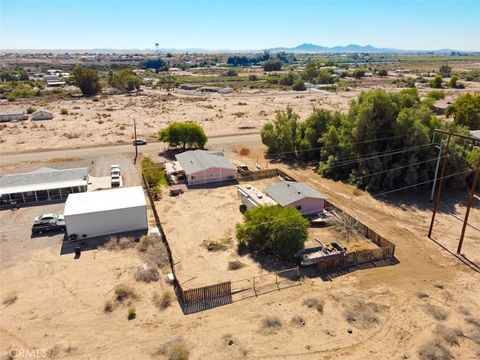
{"x": 135, "y": 141}
{"x": 469, "y": 205}
{"x": 440, "y": 185}
{"x": 436, "y": 168}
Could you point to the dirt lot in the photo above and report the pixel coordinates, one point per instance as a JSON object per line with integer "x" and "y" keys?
{"x": 110, "y": 120}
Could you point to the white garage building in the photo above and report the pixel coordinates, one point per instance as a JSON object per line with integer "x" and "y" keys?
{"x": 106, "y": 212}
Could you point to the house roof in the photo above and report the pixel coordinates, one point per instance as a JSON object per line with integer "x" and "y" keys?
{"x": 475, "y": 133}
{"x": 200, "y": 160}
{"x": 288, "y": 192}
{"x": 43, "y": 179}
{"x": 104, "y": 200}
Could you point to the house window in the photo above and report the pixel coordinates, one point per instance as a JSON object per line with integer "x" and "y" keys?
{"x": 193, "y": 177}
{"x": 214, "y": 174}
{"x": 299, "y": 208}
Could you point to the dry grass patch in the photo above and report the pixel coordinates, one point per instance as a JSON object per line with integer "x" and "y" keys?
{"x": 436, "y": 311}
{"x": 439, "y": 284}
{"x": 119, "y": 243}
{"x": 124, "y": 292}
{"x": 271, "y": 324}
{"x": 364, "y": 315}
{"x": 450, "y": 335}
{"x": 10, "y": 299}
{"x": 153, "y": 251}
{"x": 421, "y": 294}
{"x": 314, "y": 303}
{"x": 108, "y": 306}
{"x": 235, "y": 265}
{"x": 147, "y": 275}
{"x": 473, "y": 321}
{"x": 162, "y": 301}
{"x": 434, "y": 350}
{"x": 175, "y": 349}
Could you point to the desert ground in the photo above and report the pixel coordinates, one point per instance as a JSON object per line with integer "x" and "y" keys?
{"x": 426, "y": 304}
{"x": 109, "y": 119}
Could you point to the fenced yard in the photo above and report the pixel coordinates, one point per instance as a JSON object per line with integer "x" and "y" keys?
{"x": 249, "y": 280}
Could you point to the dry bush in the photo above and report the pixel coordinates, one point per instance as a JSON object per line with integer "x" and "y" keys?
{"x": 298, "y": 321}
{"x": 235, "y": 265}
{"x": 434, "y": 350}
{"x": 314, "y": 303}
{"x": 175, "y": 349}
{"x": 244, "y": 151}
{"x": 436, "y": 311}
{"x": 473, "y": 321}
{"x": 108, "y": 306}
{"x": 116, "y": 243}
{"x": 271, "y": 324}
{"x": 345, "y": 227}
{"x": 421, "y": 294}
{"x": 10, "y": 299}
{"x": 147, "y": 275}
{"x": 363, "y": 314}
{"x": 439, "y": 284}
{"x": 217, "y": 245}
{"x": 464, "y": 310}
{"x": 162, "y": 301}
{"x": 124, "y": 292}
{"x": 144, "y": 243}
{"x": 450, "y": 335}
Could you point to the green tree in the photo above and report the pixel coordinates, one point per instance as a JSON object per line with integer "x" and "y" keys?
{"x": 466, "y": 111}
{"x": 310, "y": 72}
{"x": 323, "y": 77}
{"x": 124, "y": 80}
{"x": 231, "y": 72}
{"x": 183, "y": 134}
{"x": 273, "y": 230}
{"x": 167, "y": 81}
{"x": 445, "y": 70}
{"x": 280, "y": 135}
{"x": 287, "y": 79}
{"x": 155, "y": 63}
{"x": 272, "y": 65}
{"x": 436, "y": 82}
{"x": 382, "y": 72}
{"x": 87, "y": 79}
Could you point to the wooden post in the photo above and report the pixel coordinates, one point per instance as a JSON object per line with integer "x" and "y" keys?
{"x": 135, "y": 137}
{"x": 254, "y": 290}
{"x": 276, "y": 280}
{"x": 469, "y": 205}
{"x": 440, "y": 185}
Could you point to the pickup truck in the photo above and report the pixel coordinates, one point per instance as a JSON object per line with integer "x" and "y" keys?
{"x": 51, "y": 225}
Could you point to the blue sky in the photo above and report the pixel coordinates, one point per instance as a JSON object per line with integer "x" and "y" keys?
{"x": 234, "y": 24}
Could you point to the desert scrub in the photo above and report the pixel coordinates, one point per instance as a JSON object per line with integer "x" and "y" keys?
{"x": 162, "y": 301}
{"x": 175, "y": 349}
{"x": 31, "y": 110}
{"x": 10, "y": 299}
{"x": 132, "y": 313}
{"x": 64, "y": 111}
{"x": 124, "y": 292}
{"x": 271, "y": 324}
{"x": 436, "y": 311}
{"x": 235, "y": 265}
{"x": 108, "y": 306}
{"x": 147, "y": 275}
{"x": 314, "y": 303}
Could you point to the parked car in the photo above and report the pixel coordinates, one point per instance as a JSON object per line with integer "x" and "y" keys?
{"x": 45, "y": 226}
{"x": 115, "y": 182}
{"x": 115, "y": 168}
{"x": 48, "y": 217}
{"x": 139, "y": 142}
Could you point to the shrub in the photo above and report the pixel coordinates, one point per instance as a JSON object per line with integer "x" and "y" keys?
{"x": 231, "y": 72}
{"x": 147, "y": 275}
{"x": 272, "y": 65}
{"x": 108, "y": 306}
{"x": 299, "y": 85}
{"x": 271, "y": 324}
{"x": 298, "y": 321}
{"x": 162, "y": 301}
{"x": 87, "y": 79}
{"x": 124, "y": 292}
{"x": 358, "y": 73}
{"x": 235, "y": 265}
{"x": 314, "y": 303}
{"x": 64, "y": 111}
{"x": 436, "y": 311}
{"x": 31, "y": 110}
{"x": 132, "y": 313}
{"x": 154, "y": 175}
{"x": 436, "y": 94}
{"x": 421, "y": 294}
{"x": 253, "y": 78}
{"x": 434, "y": 350}
{"x": 450, "y": 335}
{"x": 174, "y": 350}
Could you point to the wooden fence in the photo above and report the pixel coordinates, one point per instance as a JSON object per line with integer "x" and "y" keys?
{"x": 263, "y": 174}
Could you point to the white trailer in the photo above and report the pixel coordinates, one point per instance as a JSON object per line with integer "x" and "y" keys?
{"x": 252, "y": 197}
{"x": 105, "y": 212}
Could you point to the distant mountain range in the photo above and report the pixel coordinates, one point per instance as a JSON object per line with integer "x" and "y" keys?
{"x": 354, "y": 48}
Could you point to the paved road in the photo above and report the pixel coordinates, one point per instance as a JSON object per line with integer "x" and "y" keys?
{"x": 151, "y": 148}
